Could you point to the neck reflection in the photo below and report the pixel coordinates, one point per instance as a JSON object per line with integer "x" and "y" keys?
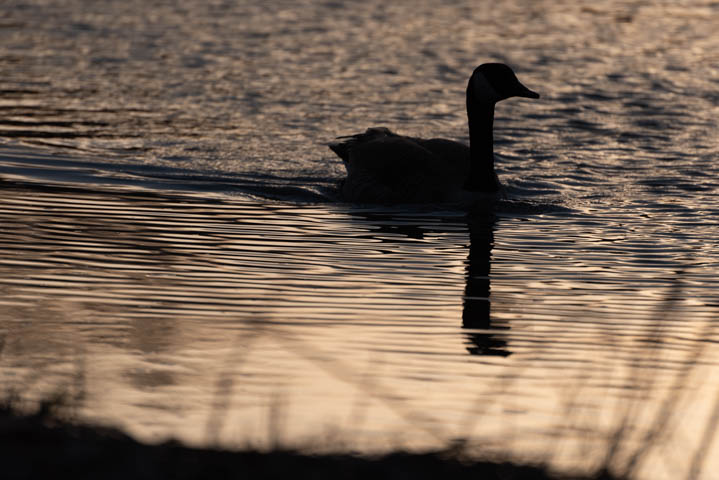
{"x": 476, "y": 312}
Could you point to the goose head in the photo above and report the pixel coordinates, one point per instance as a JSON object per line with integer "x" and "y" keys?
{"x": 492, "y": 82}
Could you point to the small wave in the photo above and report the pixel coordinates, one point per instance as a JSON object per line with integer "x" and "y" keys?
{"x": 37, "y": 168}
{"x": 42, "y": 169}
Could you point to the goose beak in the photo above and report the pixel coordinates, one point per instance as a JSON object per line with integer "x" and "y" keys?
{"x": 523, "y": 91}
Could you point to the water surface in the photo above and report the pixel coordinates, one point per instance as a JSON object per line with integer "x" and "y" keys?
{"x": 175, "y": 255}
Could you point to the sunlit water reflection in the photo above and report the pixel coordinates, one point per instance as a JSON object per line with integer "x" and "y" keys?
{"x": 184, "y": 267}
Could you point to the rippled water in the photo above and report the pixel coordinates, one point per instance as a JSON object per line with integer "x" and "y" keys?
{"x": 174, "y": 253}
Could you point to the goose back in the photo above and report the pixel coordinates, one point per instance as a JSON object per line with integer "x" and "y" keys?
{"x": 383, "y": 167}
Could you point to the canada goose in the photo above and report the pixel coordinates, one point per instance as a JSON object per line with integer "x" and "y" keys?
{"x": 383, "y": 167}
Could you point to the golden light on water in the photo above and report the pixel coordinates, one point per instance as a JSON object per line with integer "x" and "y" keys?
{"x": 224, "y": 330}
{"x": 175, "y": 254}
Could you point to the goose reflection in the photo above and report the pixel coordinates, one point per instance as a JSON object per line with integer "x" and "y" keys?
{"x": 482, "y": 335}
{"x": 476, "y": 311}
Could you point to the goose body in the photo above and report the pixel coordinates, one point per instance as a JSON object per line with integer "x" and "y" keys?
{"x": 383, "y": 167}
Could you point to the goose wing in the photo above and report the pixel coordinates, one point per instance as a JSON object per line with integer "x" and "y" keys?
{"x": 383, "y": 167}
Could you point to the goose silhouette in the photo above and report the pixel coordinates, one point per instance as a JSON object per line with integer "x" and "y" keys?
{"x": 383, "y": 167}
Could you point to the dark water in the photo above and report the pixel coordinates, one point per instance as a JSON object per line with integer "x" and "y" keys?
{"x": 173, "y": 246}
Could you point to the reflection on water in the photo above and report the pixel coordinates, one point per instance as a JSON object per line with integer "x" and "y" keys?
{"x": 477, "y": 313}
{"x": 247, "y": 322}
{"x": 186, "y": 269}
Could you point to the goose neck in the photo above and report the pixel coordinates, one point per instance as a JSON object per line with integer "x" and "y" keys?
{"x": 481, "y": 146}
